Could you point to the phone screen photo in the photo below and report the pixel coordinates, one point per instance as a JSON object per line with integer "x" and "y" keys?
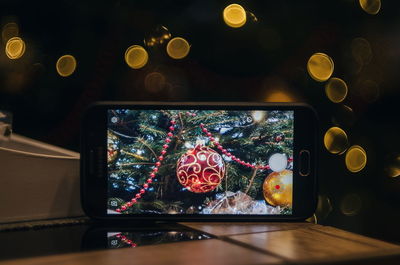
{"x": 199, "y": 161}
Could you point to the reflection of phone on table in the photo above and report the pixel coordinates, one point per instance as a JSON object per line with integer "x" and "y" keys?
{"x": 199, "y": 161}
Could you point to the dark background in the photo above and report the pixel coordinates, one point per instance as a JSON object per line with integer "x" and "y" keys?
{"x": 262, "y": 61}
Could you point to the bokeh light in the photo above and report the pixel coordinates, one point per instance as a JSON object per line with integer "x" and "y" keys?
{"x": 157, "y": 37}
{"x": 320, "y": 67}
{"x": 251, "y": 16}
{"x": 369, "y": 90}
{"x": 372, "y": 7}
{"x": 136, "y": 57}
{"x": 361, "y": 51}
{"x": 392, "y": 166}
{"x": 343, "y": 115}
{"x": 324, "y": 207}
{"x": 280, "y": 95}
{"x": 258, "y": 115}
{"x": 154, "y": 82}
{"x": 312, "y": 219}
{"x": 15, "y": 48}
{"x": 234, "y": 16}
{"x": 336, "y": 90}
{"x": 9, "y": 30}
{"x": 178, "y": 48}
{"x": 66, "y": 65}
{"x": 335, "y": 140}
{"x": 356, "y": 158}
{"x": 351, "y": 204}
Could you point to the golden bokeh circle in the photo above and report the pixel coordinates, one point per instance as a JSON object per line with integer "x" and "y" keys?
{"x": 154, "y": 82}
{"x": 351, "y": 204}
{"x": 66, "y": 65}
{"x": 15, "y": 48}
{"x": 178, "y": 48}
{"x": 320, "y": 67}
{"x": 136, "y": 57}
{"x": 343, "y": 116}
{"x": 335, "y": 140}
{"x": 361, "y": 51}
{"x": 234, "y": 16}
{"x": 392, "y": 166}
{"x": 324, "y": 207}
{"x": 336, "y": 90}
{"x": 356, "y": 158}
{"x": 369, "y": 90}
{"x": 372, "y": 7}
{"x": 9, "y": 30}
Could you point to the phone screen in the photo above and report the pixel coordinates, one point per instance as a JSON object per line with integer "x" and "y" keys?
{"x": 200, "y": 162}
{"x": 138, "y": 238}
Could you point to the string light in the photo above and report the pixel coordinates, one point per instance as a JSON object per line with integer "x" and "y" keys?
{"x": 178, "y": 48}
{"x": 361, "y": 51}
{"x": 343, "y": 115}
{"x": 351, "y": 204}
{"x": 356, "y": 158}
{"x": 234, "y": 16}
{"x": 154, "y": 82}
{"x": 258, "y": 115}
{"x": 372, "y": 7}
{"x": 369, "y": 90}
{"x": 392, "y": 166}
{"x": 336, "y": 90}
{"x": 15, "y": 48}
{"x": 157, "y": 37}
{"x": 335, "y": 140}
{"x": 320, "y": 67}
{"x": 9, "y": 30}
{"x": 66, "y": 65}
{"x": 136, "y": 57}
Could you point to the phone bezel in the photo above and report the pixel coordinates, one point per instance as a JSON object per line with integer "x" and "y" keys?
{"x": 94, "y": 173}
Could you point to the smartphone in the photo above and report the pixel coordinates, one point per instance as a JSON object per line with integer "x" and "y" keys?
{"x": 199, "y": 161}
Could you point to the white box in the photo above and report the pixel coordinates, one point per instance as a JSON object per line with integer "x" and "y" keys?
{"x": 37, "y": 181}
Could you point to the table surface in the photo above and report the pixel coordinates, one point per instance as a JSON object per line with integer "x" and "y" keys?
{"x": 243, "y": 243}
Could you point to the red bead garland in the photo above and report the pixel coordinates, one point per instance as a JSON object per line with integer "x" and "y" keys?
{"x": 152, "y": 175}
{"x": 234, "y": 158}
{"x": 126, "y": 240}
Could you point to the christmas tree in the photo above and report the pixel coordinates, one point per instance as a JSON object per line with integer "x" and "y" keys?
{"x": 144, "y": 147}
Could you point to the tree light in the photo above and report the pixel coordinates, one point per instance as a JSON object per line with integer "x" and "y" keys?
{"x": 336, "y": 90}
{"x": 178, "y": 48}
{"x": 15, "y": 48}
{"x": 234, "y": 16}
{"x": 258, "y": 115}
{"x": 320, "y": 67}
{"x": 356, "y": 158}
{"x": 335, "y": 140}
{"x": 66, "y": 65}
{"x": 372, "y": 7}
{"x": 136, "y": 57}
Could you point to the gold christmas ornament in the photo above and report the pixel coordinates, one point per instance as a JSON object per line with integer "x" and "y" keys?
{"x": 278, "y": 188}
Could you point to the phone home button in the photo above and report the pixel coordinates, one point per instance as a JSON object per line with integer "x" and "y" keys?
{"x": 304, "y": 163}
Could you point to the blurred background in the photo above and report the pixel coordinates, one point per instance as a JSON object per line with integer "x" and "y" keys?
{"x": 342, "y": 57}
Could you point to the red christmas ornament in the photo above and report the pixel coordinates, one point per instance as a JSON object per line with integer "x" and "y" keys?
{"x": 201, "y": 169}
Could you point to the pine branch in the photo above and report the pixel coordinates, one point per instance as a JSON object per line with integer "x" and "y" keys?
{"x": 148, "y": 146}
{"x": 135, "y": 155}
{"x": 251, "y": 180}
{"x": 147, "y": 128}
{"x": 134, "y": 164}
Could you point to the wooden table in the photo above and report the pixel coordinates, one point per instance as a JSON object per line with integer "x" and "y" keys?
{"x": 244, "y": 243}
